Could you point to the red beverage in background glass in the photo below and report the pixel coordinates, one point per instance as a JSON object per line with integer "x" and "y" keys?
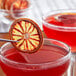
{"x": 52, "y": 59}
{"x": 61, "y": 25}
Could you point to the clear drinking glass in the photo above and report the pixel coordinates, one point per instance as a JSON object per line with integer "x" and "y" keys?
{"x": 8, "y": 16}
{"x": 52, "y": 59}
{"x": 64, "y": 31}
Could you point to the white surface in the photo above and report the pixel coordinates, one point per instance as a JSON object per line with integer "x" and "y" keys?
{"x": 40, "y": 7}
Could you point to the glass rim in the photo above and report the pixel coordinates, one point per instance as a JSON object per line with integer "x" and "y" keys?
{"x": 55, "y": 26}
{"x": 46, "y": 63}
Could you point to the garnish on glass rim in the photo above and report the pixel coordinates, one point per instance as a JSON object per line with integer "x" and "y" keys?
{"x": 19, "y": 5}
{"x": 28, "y": 33}
{"x": 65, "y": 16}
{"x": 15, "y": 4}
{"x": 14, "y": 8}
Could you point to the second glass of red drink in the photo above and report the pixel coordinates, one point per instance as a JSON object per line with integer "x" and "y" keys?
{"x": 61, "y": 25}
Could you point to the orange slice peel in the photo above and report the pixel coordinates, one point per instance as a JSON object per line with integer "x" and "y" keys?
{"x": 28, "y": 33}
{"x": 65, "y": 16}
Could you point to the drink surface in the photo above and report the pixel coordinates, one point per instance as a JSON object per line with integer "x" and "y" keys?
{"x": 47, "y": 54}
{"x": 65, "y": 35}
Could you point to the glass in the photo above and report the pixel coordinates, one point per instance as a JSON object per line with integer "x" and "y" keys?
{"x": 8, "y": 16}
{"x": 52, "y": 59}
{"x": 65, "y": 33}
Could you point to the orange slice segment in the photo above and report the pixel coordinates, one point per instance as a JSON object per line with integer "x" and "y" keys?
{"x": 8, "y": 3}
{"x": 19, "y": 7}
{"x": 20, "y": 4}
{"x": 28, "y": 33}
{"x": 65, "y": 15}
{"x": 1, "y": 4}
{"x": 68, "y": 18}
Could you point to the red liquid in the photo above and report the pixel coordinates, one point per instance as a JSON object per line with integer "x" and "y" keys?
{"x": 47, "y": 54}
{"x": 66, "y": 36}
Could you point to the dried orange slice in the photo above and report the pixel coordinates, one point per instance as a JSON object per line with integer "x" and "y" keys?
{"x": 68, "y": 18}
{"x": 8, "y": 3}
{"x": 1, "y": 4}
{"x": 28, "y": 33}
{"x": 19, "y": 5}
{"x": 64, "y": 15}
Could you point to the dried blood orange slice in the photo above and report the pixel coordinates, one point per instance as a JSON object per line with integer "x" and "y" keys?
{"x": 1, "y": 4}
{"x": 28, "y": 33}
{"x": 63, "y": 16}
{"x": 19, "y": 5}
{"x": 8, "y": 3}
{"x": 68, "y": 18}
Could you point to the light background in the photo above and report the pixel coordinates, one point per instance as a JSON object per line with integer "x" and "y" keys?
{"x": 39, "y": 8}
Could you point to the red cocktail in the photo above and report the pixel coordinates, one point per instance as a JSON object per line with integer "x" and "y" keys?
{"x": 52, "y": 59}
{"x": 61, "y": 25}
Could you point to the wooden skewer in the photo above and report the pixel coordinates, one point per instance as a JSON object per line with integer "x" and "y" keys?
{"x": 6, "y": 40}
